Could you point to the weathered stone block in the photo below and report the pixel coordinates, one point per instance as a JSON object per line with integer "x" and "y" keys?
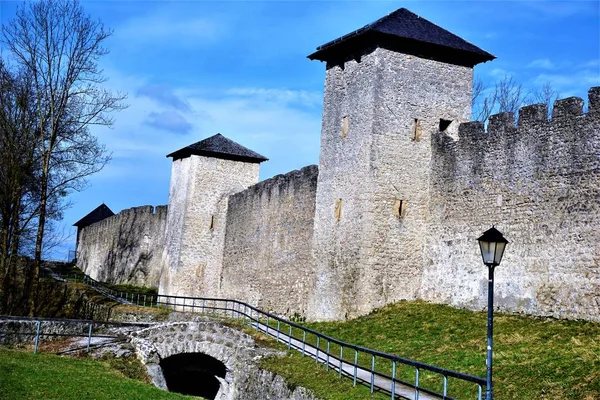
{"x": 569, "y": 107}
{"x": 532, "y": 114}
{"x": 594, "y": 101}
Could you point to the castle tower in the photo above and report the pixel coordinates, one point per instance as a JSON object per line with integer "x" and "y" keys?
{"x": 203, "y": 176}
{"x": 388, "y": 87}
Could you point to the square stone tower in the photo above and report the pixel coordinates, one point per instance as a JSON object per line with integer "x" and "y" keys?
{"x": 388, "y": 87}
{"x": 203, "y": 176}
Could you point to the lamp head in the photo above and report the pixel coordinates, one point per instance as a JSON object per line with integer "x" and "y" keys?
{"x": 492, "y": 245}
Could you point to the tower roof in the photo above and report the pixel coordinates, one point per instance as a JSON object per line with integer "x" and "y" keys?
{"x": 218, "y": 146}
{"x": 97, "y": 214}
{"x": 405, "y": 32}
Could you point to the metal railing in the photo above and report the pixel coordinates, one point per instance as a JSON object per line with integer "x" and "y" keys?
{"x": 59, "y": 328}
{"x": 384, "y": 372}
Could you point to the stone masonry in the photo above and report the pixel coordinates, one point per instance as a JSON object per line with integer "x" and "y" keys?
{"x": 539, "y": 182}
{"x": 244, "y": 380}
{"x": 370, "y": 255}
{"x": 267, "y": 243}
{"x": 125, "y": 248}
{"x": 405, "y": 185}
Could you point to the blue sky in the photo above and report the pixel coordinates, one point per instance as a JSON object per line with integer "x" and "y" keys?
{"x": 195, "y": 68}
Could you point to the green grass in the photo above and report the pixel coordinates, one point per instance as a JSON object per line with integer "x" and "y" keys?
{"x": 26, "y": 376}
{"x": 534, "y": 358}
{"x": 302, "y": 371}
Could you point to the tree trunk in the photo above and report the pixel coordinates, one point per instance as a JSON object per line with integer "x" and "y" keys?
{"x": 33, "y": 275}
{"x": 3, "y": 262}
{"x": 9, "y": 239}
{"x": 10, "y": 279}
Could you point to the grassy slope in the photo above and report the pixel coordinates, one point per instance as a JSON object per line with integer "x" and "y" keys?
{"x": 45, "y": 376}
{"x": 534, "y": 358}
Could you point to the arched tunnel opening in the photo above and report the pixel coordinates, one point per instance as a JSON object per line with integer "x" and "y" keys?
{"x": 193, "y": 374}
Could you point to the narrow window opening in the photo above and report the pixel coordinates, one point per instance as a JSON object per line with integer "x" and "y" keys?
{"x": 338, "y": 209}
{"x": 400, "y": 208}
{"x": 344, "y": 127}
{"x": 417, "y": 131}
{"x": 444, "y": 124}
{"x": 213, "y": 223}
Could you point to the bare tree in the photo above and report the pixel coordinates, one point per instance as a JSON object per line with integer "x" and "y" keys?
{"x": 546, "y": 95}
{"x": 60, "y": 46}
{"x": 510, "y": 95}
{"x": 481, "y": 104}
{"x": 18, "y": 168}
{"x": 507, "y": 95}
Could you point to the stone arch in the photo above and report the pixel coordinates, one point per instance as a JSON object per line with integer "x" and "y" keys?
{"x": 234, "y": 349}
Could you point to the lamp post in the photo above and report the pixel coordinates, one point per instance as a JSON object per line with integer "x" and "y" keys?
{"x": 492, "y": 245}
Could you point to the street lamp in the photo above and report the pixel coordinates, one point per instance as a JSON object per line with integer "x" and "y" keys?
{"x": 492, "y": 245}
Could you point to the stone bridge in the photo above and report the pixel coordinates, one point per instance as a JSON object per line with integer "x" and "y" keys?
{"x": 198, "y": 356}
{"x": 206, "y": 358}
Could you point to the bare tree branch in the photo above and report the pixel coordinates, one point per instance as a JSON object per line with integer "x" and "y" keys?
{"x": 507, "y": 95}
{"x": 59, "y": 46}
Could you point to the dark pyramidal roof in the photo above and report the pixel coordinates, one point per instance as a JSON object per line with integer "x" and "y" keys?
{"x": 405, "y": 32}
{"x": 219, "y": 146}
{"x": 98, "y": 214}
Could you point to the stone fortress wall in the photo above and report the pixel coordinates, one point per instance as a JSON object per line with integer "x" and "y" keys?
{"x": 404, "y": 187}
{"x": 125, "y": 248}
{"x": 195, "y": 236}
{"x": 539, "y": 182}
{"x": 268, "y": 243}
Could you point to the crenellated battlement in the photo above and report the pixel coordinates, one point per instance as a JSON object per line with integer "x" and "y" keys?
{"x": 569, "y": 107}
{"x": 532, "y": 114}
{"x": 539, "y": 181}
{"x": 566, "y": 112}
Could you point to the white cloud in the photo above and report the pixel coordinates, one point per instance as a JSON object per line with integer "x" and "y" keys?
{"x": 498, "y": 73}
{"x": 569, "y": 81}
{"x": 282, "y": 124}
{"x": 164, "y": 95}
{"x": 542, "y": 63}
{"x": 594, "y": 64}
{"x": 300, "y": 97}
{"x": 265, "y": 120}
{"x": 561, "y": 9}
{"x": 172, "y": 29}
{"x": 169, "y": 120}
